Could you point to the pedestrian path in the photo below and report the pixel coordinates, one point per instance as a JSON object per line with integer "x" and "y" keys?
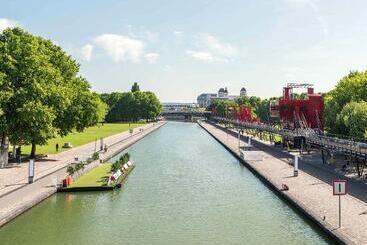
{"x": 310, "y": 194}
{"x": 18, "y": 196}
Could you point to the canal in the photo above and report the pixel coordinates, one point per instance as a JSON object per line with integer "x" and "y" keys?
{"x": 186, "y": 189}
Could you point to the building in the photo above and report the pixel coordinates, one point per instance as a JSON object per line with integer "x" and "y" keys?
{"x": 243, "y": 92}
{"x": 178, "y": 106}
{"x": 205, "y": 99}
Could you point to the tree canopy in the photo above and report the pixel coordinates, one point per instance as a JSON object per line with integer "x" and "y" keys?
{"x": 345, "y": 106}
{"x": 132, "y": 106}
{"x": 42, "y": 93}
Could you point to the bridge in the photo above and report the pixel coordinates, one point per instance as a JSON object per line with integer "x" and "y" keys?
{"x": 357, "y": 150}
{"x": 185, "y": 115}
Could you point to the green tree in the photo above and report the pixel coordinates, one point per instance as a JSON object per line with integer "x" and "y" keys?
{"x": 44, "y": 94}
{"x": 132, "y": 106}
{"x": 351, "y": 88}
{"x": 353, "y": 117}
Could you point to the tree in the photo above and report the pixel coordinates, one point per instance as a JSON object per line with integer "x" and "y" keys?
{"x": 132, "y": 106}
{"x": 353, "y": 117}
{"x": 351, "y": 88}
{"x": 135, "y": 87}
{"x": 45, "y": 96}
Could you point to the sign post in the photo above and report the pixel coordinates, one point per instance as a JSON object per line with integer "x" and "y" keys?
{"x": 339, "y": 189}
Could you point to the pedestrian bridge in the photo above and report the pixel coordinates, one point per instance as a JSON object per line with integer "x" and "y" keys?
{"x": 185, "y": 115}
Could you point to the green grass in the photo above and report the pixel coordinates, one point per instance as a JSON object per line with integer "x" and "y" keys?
{"x": 95, "y": 178}
{"x": 77, "y": 139}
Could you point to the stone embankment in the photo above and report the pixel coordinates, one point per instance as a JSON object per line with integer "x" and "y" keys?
{"x": 311, "y": 196}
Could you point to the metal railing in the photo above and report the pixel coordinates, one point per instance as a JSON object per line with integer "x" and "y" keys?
{"x": 312, "y": 137}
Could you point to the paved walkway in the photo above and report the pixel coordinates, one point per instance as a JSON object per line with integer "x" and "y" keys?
{"x": 308, "y": 192}
{"x": 16, "y": 195}
{"x": 313, "y": 165}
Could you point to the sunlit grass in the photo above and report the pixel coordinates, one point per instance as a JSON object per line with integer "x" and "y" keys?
{"x": 76, "y": 139}
{"x": 96, "y": 177}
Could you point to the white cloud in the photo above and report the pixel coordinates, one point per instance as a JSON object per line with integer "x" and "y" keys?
{"x": 167, "y": 68}
{"x": 152, "y": 57}
{"x": 87, "y": 51}
{"x": 6, "y": 23}
{"x": 178, "y": 34}
{"x": 218, "y": 48}
{"x": 120, "y": 47}
{"x": 152, "y": 36}
{"x": 198, "y": 55}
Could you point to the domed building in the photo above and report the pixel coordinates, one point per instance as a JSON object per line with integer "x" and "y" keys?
{"x": 206, "y": 99}
{"x": 243, "y": 92}
{"x": 221, "y": 93}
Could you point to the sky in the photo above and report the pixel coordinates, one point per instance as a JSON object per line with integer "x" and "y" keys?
{"x": 180, "y": 49}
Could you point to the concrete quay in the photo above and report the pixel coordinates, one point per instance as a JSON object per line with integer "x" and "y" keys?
{"x": 308, "y": 194}
{"x": 16, "y": 196}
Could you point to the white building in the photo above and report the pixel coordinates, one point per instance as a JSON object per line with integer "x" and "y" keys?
{"x": 205, "y": 99}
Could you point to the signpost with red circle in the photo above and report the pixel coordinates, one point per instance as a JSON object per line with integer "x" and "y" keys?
{"x": 339, "y": 189}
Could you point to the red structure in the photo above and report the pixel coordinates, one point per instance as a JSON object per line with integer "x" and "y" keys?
{"x": 299, "y": 113}
{"x": 245, "y": 114}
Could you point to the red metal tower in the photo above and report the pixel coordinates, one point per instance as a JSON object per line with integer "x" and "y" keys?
{"x": 299, "y": 112}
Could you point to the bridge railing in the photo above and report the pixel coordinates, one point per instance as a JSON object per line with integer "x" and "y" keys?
{"x": 313, "y": 138}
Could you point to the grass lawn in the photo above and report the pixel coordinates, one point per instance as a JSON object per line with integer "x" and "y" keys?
{"x": 96, "y": 177}
{"x": 77, "y": 139}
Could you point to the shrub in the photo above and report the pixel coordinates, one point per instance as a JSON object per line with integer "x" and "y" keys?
{"x": 115, "y": 166}
{"x": 70, "y": 170}
{"x": 95, "y": 156}
{"x": 79, "y": 166}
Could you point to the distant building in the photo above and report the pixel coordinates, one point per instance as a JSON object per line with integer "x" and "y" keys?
{"x": 243, "y": 92}
{"x": 178, "y": 106}
{"x": 205, "y": 99}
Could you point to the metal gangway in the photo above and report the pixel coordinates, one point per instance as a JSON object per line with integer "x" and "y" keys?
{"x": 313, "y": 138}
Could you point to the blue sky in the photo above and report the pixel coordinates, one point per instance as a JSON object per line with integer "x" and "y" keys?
{"x": 179, "y": 49}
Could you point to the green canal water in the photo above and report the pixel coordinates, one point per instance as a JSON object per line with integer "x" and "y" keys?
{"x": 186, "y": 189}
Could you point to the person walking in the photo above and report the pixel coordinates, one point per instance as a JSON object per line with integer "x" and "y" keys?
{"x": 57, "y": 147}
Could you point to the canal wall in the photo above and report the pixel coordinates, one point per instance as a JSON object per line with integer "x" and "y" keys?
{"x": 319, "y": 209}
{"x": 23, "y": 198}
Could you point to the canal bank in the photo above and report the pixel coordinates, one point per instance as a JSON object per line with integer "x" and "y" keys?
{"x": 19, "y": 200}
{"x": 185, "y": 189}
{"x": 308, "y": 194}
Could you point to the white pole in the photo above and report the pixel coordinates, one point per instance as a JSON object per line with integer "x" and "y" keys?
{"x": 239, "y": 139}
{"x": 295, "y": 166}
{"x": 249, "y": 141}
{"x": 30, "y": 171}
{"x": 340, "y": 213}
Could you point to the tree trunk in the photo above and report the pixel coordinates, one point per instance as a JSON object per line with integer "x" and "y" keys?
{"x": 33, "y": 151}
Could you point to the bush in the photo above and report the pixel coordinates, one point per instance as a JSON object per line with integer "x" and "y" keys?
{"x": 79, "y": 166}
{"x": 115, "y": 166}
{"x": 95, "y": 156}
{"x": 123, "y": 159}
{"x": 70, "y": 170}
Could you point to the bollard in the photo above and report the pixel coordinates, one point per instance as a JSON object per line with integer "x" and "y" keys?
{"x": 31, "y": 171}
{"x": 295, "y": 173}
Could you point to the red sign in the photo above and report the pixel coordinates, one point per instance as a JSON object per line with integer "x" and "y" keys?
{"x": 339, "y": 187}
